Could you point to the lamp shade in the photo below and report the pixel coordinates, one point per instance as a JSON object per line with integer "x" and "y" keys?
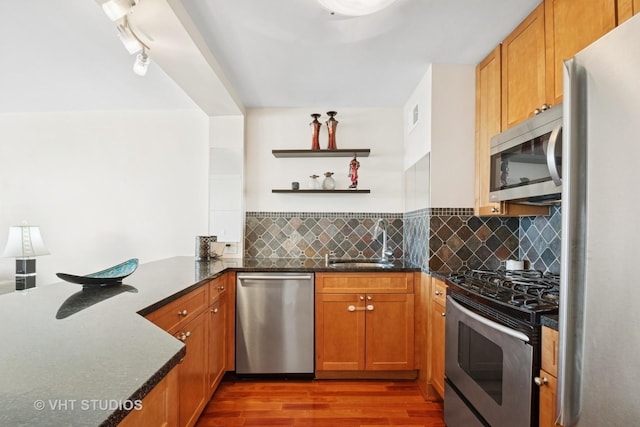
{"x": 25, "y": 241}
{"x": 355, "y": 7}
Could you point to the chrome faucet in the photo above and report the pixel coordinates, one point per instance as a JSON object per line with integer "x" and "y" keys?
{"x": 381, "y": 225}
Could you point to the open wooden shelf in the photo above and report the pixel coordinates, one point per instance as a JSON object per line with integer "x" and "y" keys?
{"x": 359, "y": 152}
{"x": 320, "y": 191}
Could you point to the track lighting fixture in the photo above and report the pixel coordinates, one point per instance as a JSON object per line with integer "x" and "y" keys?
{"x": 118, "y": 11}
{"x": 141, "y": 64}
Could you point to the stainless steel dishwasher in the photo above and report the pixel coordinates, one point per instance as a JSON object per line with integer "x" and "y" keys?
{"x": 275, "y": 323}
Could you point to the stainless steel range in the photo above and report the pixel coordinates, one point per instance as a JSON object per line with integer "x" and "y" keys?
{"x": 492, "y": 350}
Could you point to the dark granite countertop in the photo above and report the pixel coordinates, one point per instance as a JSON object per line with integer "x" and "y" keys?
{"x": 550, "y": 320}
{"x": 77, "y": 358}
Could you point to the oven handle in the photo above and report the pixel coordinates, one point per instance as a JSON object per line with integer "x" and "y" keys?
{"x": 511, "y": 332}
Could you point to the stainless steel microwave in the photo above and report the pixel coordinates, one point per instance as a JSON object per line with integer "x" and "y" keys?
{"x": 526, "y": 161}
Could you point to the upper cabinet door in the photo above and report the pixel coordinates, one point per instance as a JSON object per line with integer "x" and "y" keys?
{"x": 523, "y": 70}
{"x": 487, "y": 125}
{"x": 571, "y": 27}
{"x": 626, "y": 9}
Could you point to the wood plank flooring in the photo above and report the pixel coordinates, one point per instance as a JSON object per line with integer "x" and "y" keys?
{"x": 320, "y": 403}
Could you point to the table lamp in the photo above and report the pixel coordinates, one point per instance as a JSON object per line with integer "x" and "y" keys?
{"x": 25, "y": 243}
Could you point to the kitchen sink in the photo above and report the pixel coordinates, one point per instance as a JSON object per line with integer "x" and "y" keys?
{"x": 352, "y": 263}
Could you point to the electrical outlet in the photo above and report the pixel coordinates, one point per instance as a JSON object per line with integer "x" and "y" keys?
{"x": 231, "y": 248}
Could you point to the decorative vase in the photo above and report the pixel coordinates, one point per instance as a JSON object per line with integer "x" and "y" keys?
{"x": 315, "y": 132}
{"x": 354, "y": 165}
{"x": 332, "y": 124}
{"x": 314, "y": 184}
{"x": 329, "y": 183}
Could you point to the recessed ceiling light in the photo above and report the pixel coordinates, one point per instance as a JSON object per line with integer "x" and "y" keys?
{"x": 355, "y": 7}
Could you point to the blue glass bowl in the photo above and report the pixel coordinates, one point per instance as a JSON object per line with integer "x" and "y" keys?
{"x": 108, "y": 276}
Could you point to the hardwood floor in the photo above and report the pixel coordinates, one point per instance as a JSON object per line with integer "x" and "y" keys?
{"x": 320, "y": 403}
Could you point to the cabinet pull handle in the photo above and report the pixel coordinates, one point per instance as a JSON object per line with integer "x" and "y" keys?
{"x": 182, "y": 313}
{"x": 354, "y": 308}
{"x": 351, "y": 308}
{"x": 540, "y": 381}
{"x": 370, "y": 307}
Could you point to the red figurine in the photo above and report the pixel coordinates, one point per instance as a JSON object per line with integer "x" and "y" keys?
{"x": 354, "y": 165}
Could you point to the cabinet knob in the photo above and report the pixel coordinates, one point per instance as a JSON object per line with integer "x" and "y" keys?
{"x": 184, "y": 336}
{"x": 182, "y": 313}
{"x": 351, "y": 308}
{"x": 494, "y": 210}
{"x": 361, "y": 298}
{"x": 540, "y": 381}
{"x": 369, "y": 298}
{"x": 215, "y": 310}
{"x": 443, "y": 314}
{"x": 370, "y": 307}
{"x": 545, "y": 107}
{"x": 221, "y": 288}
{"x": 438, "y": 293}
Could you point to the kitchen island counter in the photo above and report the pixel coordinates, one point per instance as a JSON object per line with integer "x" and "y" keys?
{"x": 85, "y": 357}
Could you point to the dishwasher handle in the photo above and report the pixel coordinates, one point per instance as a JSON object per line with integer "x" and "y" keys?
{"x": 276, "y": 277}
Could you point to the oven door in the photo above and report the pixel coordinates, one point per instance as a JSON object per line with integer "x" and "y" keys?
{"x": 490, "y": 366}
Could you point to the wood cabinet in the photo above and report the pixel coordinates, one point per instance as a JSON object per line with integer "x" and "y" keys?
{"x": 547, "y": 380}
{"x": 437, "y": 312}
{"x": 364, "y": 322}
{"x": 158, "y": 407}
{"x": 200, "y": 319}
{"x": 626, "y": 9}
{"x": 568, "y": 30}
{"x": 217, "y": 342}
{"x": 523, "y": 70}
{"x": 192, "y": 387}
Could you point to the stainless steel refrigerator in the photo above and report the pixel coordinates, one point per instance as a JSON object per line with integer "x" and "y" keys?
{"x": 599, "y": 372}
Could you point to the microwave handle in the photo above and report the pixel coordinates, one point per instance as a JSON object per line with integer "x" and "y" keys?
{"x": 551, "y": 155}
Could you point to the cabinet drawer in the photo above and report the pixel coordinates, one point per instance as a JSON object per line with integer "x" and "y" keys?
{"x": 217, "y": 287}
{"x": 180, "y": 311}
{"x": 398, "y": 283}
{"x": 439, "y": 291}
{"x": 550, "y": 350}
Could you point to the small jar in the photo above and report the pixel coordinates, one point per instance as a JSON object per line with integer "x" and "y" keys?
{"x": 329, "y": 183}
{"x": 313, "y": 183}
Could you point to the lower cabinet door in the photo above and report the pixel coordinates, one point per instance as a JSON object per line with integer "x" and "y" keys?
{"x": 217, "y": 340}
{"x": 340, "y": 332}
{"x": 547, "y": 399}
{"x": 192, "y": 371}
{"x": 437, "y": 347}
{"x": 389, "y": 332}
{"x": 158, "y": 407}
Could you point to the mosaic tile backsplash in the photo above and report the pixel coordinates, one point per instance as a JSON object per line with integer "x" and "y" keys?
{"x": 314, "y": 234}
{"x": 436, "y": 239}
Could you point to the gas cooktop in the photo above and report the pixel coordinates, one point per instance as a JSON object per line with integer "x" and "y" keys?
{"x": 529, "y": 291}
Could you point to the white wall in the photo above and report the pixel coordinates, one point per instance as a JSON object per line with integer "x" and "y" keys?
{"x": 226, "y": 202}
{"x": 453, "y": 136}
{"x": 104, "y": 186}
{"x": 381, "y": 172}
{"x": 446, "y": 129}
{"x": 418, "y": 138}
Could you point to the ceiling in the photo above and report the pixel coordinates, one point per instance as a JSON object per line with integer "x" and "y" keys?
{"x": 64, "y": 55}
{"x": 294, "y": 53}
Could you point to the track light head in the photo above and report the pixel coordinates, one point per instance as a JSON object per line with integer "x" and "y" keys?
{"x": 116, "y": 9}
{"x": 142, "y": 63}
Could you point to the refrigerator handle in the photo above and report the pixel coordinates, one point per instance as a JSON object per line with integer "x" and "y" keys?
{"x": 572, "y": 247}
{"x": 552, "y": 163}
